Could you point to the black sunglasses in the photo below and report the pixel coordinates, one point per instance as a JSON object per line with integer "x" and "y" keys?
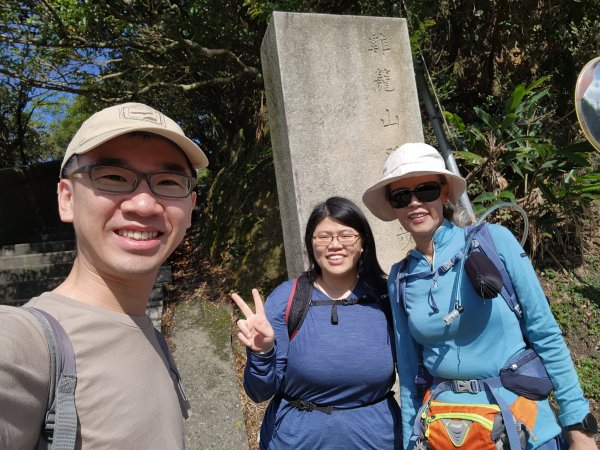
{"x": 426, "y": 192}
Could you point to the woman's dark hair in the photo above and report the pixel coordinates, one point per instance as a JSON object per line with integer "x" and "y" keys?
{"x": 349, "y": 214}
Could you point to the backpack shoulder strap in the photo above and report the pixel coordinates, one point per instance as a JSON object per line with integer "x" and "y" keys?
{"x": 401, "y": 276}
{"x": 383, "y": 299}
{"x": 60, "y": 421}
{"x": 184, "y": 404}
{"x": 483, "y": 239}
{"x": 298, "y": 304}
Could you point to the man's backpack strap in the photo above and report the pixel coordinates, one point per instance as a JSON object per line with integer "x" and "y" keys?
{"x": 184, "y": 404}
{"x": 298, "y": 304}
{"x": 60, "y": 422}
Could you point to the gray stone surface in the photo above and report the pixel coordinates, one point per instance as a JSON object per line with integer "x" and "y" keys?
{"x": 202, "y": 352}
{"x": 341, "y": 95}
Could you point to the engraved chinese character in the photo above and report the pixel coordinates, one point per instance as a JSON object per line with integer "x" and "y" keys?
{"x": 379, "y": 42}
{"x": 387, "y": 121}
{"x": 382, "y": 80}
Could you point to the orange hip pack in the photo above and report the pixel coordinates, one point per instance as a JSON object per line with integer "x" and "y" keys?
{"x": 454, "y": 425}
{"x": 451, "y": 426}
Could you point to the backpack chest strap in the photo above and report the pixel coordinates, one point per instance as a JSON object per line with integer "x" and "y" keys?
{"x": 365, "y": 299}
{"x": 404, "y": 276}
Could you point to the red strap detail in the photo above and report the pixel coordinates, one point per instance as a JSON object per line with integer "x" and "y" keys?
{"x": 290, "y": 300}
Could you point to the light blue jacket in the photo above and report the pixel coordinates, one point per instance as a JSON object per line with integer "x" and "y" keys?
{"x": 486, "y": 335}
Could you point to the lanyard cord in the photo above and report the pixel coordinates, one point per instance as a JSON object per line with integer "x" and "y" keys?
{"x": 458, "y": 309}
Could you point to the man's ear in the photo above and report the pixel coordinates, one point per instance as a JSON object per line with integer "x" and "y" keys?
{"x": 65, "y": 200}
{"x": 191, "y": 212}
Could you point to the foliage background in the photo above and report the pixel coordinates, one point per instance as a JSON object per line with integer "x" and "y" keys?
{"x": 503, "y": 72}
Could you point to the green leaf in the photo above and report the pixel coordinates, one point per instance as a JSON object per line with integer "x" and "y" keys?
{"x": 484, "y": 116}
{"x": 509, "y": 120}
{"x": 516, "y": 98}
{"x": 485, "y": 197}
{"x": 455, "y": 121}
{"x": 507, "y": 195}
{"x": 470, "y": 157}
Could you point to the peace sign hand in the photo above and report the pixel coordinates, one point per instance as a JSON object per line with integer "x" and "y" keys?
{"x": 255, "y": 331}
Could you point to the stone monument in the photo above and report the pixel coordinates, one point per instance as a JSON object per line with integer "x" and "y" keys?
{"x": 341, "y": 95}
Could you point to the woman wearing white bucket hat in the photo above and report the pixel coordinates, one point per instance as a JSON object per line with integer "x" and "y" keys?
{"x": 449, "y": 338}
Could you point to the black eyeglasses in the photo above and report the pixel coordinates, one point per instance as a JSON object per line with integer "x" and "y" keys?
{"x": 426, "y": 192}
{"x": 122, "y": 180}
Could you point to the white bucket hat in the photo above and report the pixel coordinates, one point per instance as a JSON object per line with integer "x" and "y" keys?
{"x": 126, "y": 118}
{"x": 410, "y": 160}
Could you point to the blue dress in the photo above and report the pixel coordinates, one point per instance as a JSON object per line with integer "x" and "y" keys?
{"x": 486, "y": 335}
{"x": 344, "y": 365}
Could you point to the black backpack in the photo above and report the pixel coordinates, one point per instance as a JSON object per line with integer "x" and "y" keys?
{"x": 300, "y": 300}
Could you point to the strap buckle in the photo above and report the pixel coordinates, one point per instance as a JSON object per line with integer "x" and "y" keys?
{"x": 471, "y": 386}
{"x": 349, "y": 301}
{"x": 303, "y": 405}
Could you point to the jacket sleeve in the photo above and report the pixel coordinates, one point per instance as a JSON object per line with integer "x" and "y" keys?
{"x": 543, "y": 332}
{"x": 264, "y": 374}
{"x": 408, "y": 357}
{"x": 24, "y": 378}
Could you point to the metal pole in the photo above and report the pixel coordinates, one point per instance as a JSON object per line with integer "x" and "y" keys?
{"x": 434, "y": 117}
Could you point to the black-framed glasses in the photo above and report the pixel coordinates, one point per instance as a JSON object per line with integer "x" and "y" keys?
{"x": 426, "y": 192}
{"x": 122, "y": 180}
{"x": 327, "y": 239}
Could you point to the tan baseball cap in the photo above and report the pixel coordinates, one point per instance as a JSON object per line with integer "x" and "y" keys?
{"x": 126, "y": 118}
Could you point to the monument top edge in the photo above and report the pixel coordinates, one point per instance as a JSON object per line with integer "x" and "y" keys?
{"x": 334, "y": 16}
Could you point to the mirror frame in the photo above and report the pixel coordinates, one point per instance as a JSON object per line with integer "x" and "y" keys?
{"x": 588, "y": 113}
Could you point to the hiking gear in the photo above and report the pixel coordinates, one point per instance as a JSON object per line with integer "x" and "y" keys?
{"x": 468, "y": 426}
{"x": 300, "y": 299}
{"x": 341, "y": 365}
{"x": 525, "y": 375}
{"x": 59, "y": 431}
{"x": 486, "y": 336}
{"x": 478, "y": 240}
{"x": 512, "y": 205}
{"x": 487, "y": 282}
{"x": 328, "y": 409}
{"x": 127, "y": 118}
{"x": 410, "y": 160}
{"x": 298, "y": 304}
{"x": 589, "y": 424}
{"x": 444, "y": 425}
{"x": 483, "y": 275}
{"x": 426, "y": 192}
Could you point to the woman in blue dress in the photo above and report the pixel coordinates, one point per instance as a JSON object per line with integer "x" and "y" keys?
{"x": 330, "y": 385}
{"x": 485, "y": 334}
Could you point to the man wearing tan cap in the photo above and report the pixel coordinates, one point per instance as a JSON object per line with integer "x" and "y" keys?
{"x": 127, "y": 184}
